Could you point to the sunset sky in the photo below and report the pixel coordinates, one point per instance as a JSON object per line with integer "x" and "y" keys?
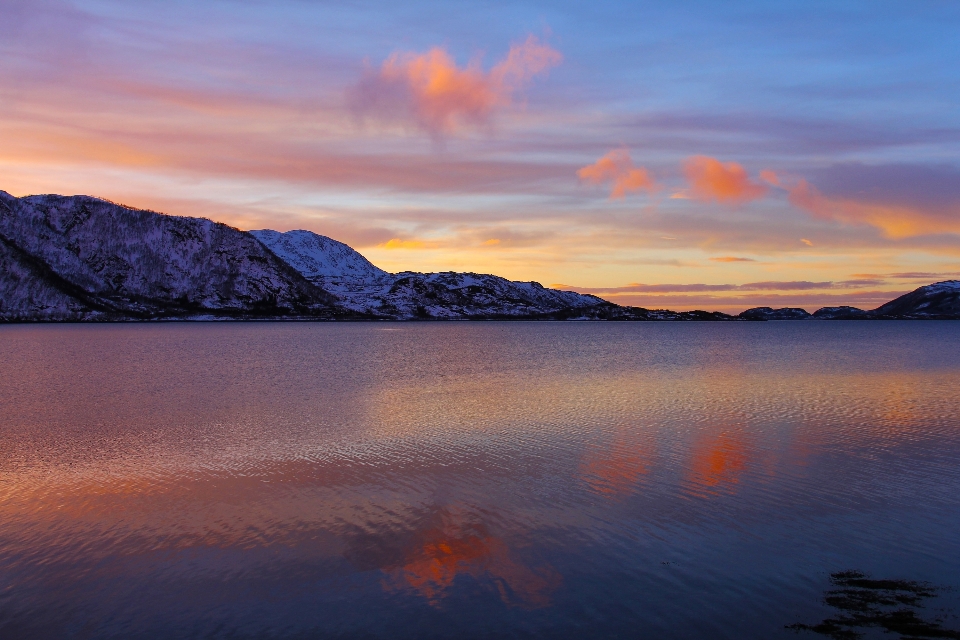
{"x": 683, "y": 155}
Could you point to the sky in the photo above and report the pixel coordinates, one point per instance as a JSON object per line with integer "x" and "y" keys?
{"x": 683, "y": 155}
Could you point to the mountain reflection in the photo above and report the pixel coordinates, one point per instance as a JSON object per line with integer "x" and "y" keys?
{"x": 458, "y": 548}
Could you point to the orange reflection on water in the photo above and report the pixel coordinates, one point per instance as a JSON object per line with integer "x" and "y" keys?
{"x": 454, "y": 550}
{"x": 616, "y": 471}
{"x": 718, "y": 461}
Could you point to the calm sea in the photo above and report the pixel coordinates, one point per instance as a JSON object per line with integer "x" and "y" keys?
{"x": 472, "y": 480}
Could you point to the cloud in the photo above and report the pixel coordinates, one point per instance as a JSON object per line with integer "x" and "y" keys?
{"x": 896, "y": 222}
{"x": 923, "y": 275}
{"x": 770, "y": 177}
{"x": 617, "y": 168}
{"x": 431, "y": 91}
{"x": 712, "y": 180}
{"x": 770, "y": 285}
{"x": 760, "y": 133}
{"x": 901, "y": 200}
{"x": 731, "y": 259}
{"x": 399, "y": 243}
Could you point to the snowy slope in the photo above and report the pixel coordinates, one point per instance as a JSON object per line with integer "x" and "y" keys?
{"x": 362, "y": 287}
{"x": 314, "y": 255}
{"x": 938, "y": 300}
{"x": 84, "y": 257}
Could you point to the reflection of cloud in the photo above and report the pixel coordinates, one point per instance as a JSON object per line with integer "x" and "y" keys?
{"x": 431, "y": 91}
{"x": 616, "y": 471}
{"x": 718, "y": 461}
{"x": 617, "y": 168}
{"x": 458, "y": 549}
{"x": 712, "y": 180}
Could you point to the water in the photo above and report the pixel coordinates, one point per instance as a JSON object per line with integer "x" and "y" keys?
{"x": 470, "y": 480}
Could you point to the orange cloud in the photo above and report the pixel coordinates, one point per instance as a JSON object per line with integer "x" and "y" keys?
{"x": 896, "y": 222}
{"x": 617, "y": 167}
{"x": 712, "y": 180}
{"x": 732, "y": 259}
{"x": 398, "y": 243}
{"x": 770, "y": 177}
{"x": 440, "y": 97}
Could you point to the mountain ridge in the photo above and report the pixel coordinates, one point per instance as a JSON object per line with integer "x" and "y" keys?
{"x": 79, "y": 258}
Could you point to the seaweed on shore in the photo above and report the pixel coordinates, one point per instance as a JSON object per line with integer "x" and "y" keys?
{"x": 891, "y": 605}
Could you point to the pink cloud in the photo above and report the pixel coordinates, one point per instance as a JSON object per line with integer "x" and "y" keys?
{"x": 895, "y": 221}
{"x": 440, "y": 97}
{"x": 712, "y": 180}
{"x": 617, "y": 168}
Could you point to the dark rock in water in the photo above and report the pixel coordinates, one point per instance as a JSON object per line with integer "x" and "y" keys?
{"x": 862, "y": 603}
{"x": 940, "y": 300}
{"x": 841, "y": 313}
{"x": 768, "y": 313}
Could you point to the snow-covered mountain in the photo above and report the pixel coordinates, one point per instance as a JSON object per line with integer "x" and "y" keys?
{"x": 937, "y": 300}
{"x": 366, "y": 289}
{"x": 315, "y": 256}
{"x": 76, "y": 258}
{"x": 82, "y": 258}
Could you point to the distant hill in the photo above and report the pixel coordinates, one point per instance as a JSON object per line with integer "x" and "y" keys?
{"x": 937, "y": 301}
{"x": 77, "y": 258}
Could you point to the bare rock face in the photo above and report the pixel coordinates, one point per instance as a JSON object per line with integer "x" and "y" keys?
{"x": 84, "y": 258}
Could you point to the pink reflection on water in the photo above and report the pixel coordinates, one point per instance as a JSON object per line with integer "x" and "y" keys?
{"x": 717, "y": 461}
{"x": 458, "y": 548}
{"x": 615, "y": 471}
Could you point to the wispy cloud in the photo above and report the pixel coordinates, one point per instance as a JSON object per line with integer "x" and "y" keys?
{"x": 401, "y": 243}
{"x": 432, "y": 92}
{"x": 902, "y": 201}
{"x": 731, "y": 259}
{"x": 617, "y": 168}
{"x": 771, "y": 285}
